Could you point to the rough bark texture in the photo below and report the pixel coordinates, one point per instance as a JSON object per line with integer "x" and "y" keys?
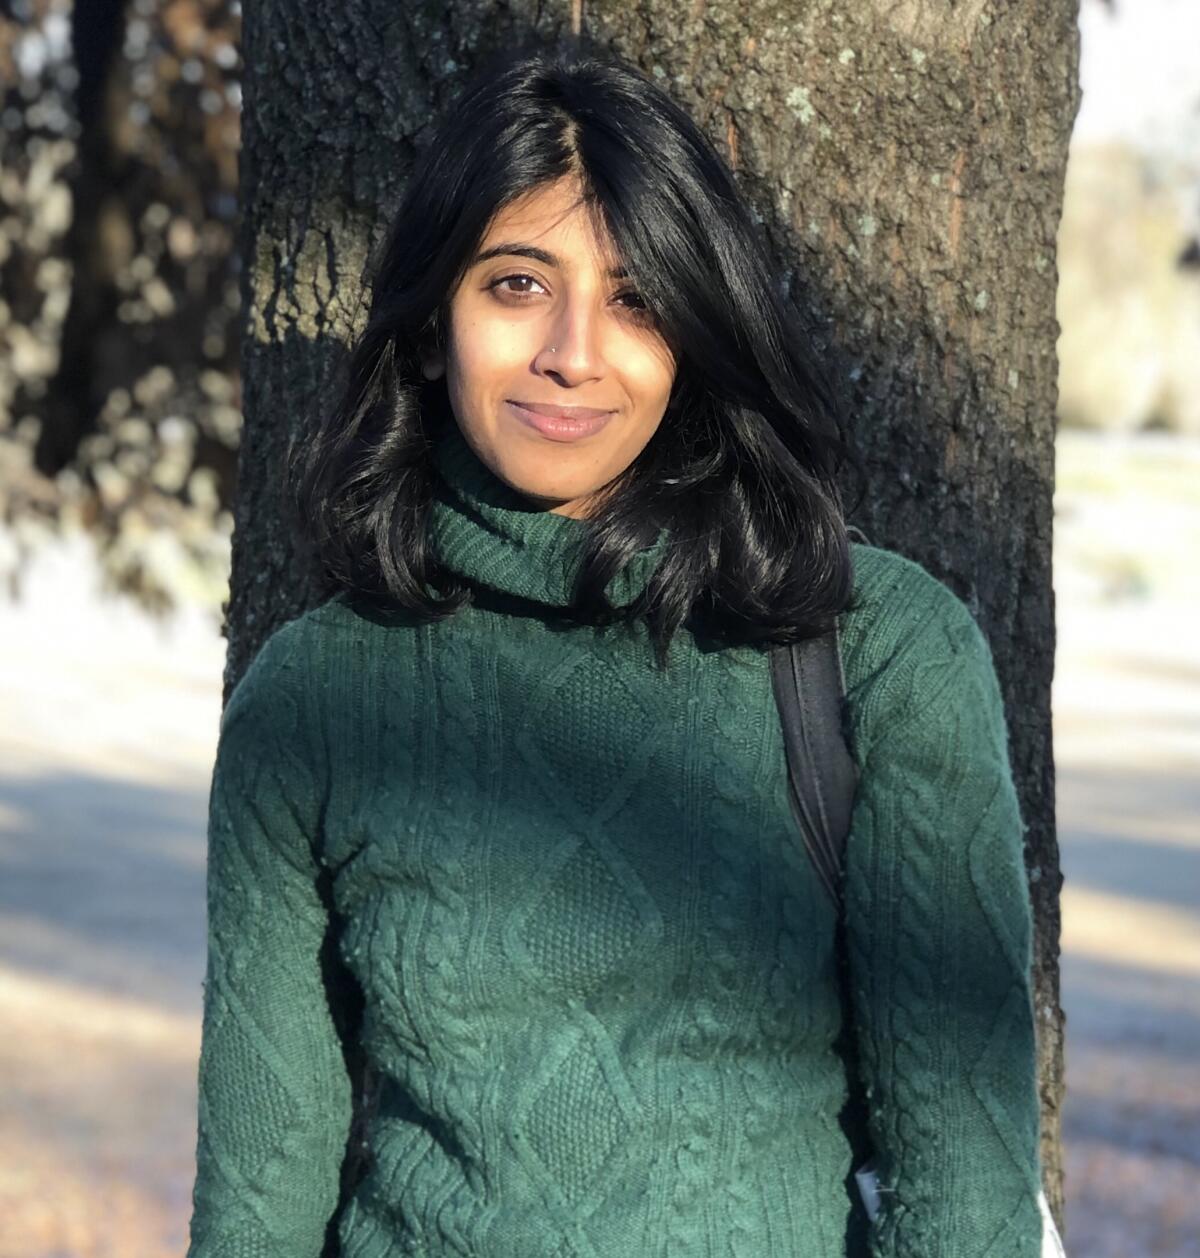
{"x": 908, "y": 161}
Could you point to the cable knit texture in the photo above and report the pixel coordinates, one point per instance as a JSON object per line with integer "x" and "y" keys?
{"x": 598, "y": 968}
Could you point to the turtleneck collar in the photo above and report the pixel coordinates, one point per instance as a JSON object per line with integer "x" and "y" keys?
{"x": 485, "y": 531}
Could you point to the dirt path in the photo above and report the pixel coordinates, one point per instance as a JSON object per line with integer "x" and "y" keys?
{"x": 105, "y": 755}
{"x": 105, "y": 751}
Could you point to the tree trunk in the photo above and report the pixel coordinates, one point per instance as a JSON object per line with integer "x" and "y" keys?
{"x": 118, "y": 406}
{"x": 907, "y": 161}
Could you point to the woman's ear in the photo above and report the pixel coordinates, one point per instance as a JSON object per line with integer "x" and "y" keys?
{"x": 433, "y": 364}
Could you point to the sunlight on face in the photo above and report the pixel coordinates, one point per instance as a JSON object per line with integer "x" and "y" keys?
{"x": 552, "y": 330}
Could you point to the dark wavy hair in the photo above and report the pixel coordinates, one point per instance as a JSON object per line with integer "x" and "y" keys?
{"x": 742, "y": 469}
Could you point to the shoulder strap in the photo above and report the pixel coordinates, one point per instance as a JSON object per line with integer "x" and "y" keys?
{"x": 822, "y": 774}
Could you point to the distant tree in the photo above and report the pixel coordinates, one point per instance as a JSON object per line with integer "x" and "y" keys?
{"x": 908, "y": 162}
{"x": 119, "y": 406}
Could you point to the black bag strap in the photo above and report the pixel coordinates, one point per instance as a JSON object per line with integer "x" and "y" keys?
{"x": 810, "y": 690}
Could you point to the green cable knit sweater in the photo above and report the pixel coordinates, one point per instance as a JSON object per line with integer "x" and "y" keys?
{"x": 598, "y": 971}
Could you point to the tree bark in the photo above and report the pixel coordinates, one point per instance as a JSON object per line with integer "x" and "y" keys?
{"x": 907, "y": 160}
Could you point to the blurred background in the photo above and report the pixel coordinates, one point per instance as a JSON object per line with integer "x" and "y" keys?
{"x": 119, "y": 428}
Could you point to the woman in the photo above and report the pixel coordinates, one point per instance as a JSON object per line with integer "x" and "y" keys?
{"x": 507, "y": 814}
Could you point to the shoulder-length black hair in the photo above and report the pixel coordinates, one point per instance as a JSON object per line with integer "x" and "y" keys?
{"x": 741, "y": 469}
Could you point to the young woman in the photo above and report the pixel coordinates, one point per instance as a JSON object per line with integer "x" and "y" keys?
{"x": 504, "y": 820}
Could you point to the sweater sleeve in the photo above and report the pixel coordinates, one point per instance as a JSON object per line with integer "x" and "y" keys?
{"x": 939, "y": 929}
{"x": 274, "y": 1093}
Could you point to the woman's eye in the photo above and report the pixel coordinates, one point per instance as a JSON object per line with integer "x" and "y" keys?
{"x": 505, "y": 279}
{"x": 637, "y": 304}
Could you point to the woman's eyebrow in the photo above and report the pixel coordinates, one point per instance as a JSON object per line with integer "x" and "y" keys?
{"x": 536, "y": 253}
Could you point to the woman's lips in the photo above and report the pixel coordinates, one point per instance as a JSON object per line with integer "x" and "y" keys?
{"x": 560, "y": 423}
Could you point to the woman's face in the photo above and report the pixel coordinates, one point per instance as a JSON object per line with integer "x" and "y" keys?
{"x": 543, "y": 322}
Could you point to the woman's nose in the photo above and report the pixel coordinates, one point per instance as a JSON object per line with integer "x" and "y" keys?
{"x": 571, "y": 346}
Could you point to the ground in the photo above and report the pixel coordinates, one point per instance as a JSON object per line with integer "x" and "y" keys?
{"x": 105, "y": 758}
